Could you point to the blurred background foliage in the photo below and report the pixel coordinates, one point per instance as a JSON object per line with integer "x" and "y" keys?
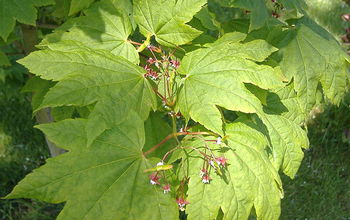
{"x": 328, "y": 13}
{"x": 321, "y": 189}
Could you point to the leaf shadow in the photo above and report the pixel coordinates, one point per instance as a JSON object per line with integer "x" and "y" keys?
{"x": 98, "y": 20}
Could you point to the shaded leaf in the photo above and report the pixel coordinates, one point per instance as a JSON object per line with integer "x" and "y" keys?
{"x": 18, "y": 10}
{"x": 105, "y": 26}
{"x": 216, "y": 76}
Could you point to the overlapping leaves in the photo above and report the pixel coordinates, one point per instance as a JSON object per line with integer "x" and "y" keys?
{"x": 106, "y": 26}
{"x": 216, "y": 76}
{"x": 248, "y": 181}
{"x": 93, "y": 63}
{"x": 259, "y": 13}
{"x": 66, "y": 8}
{"x": 88, "y": 76}
{"x": 103, "y": 180}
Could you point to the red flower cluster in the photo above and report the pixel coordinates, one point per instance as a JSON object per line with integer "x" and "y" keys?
{"x": 175, "y": 63}
{"x": 154, "y": 179}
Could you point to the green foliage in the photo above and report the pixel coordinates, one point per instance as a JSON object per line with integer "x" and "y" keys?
{"x": 258, "y": 9}
{"x": 18, "y": 10}
{"x": 110, "y": 173}
{"x": 103, "y": 27}
{"x": 249, "y": 181}
{"x": 104, "y": 71}
{"x": 166, "y": 20}
{"x": 328, "y": 13}
{"x": 312, "y": 58}
{"x": 65, "y": 8}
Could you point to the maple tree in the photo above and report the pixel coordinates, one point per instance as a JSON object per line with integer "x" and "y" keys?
{"x": 168, "y": 106}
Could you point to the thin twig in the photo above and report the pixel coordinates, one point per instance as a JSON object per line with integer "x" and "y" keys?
{"x": 133, "y": 42}
{"x": 155, "y": 147}
{"x": 160, "y": 95}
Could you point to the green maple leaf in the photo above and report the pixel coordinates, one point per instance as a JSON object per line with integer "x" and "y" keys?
{"x": 287, "y": 139}
{"x": 88, "y": 76}
{"x": 166, "y": 19}
{"x": 314, "y": 58}
{"x": 106, "y": 26}
{"x": 103, "y": 181}
{"x": 250, "y": 179}
{"x": 18, "y": 10}
{"x": 280, "y": 121}
{"x": 216, "y": 76}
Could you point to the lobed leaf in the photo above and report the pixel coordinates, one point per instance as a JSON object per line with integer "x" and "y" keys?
{"x": 105, "y": 180}
{"x": 312, "y": 58}
{"x": 216, "y": 76}
{"x": 106, "y": 26}
{"x": 250, "y": 180}
{"x": 166, "y": 20}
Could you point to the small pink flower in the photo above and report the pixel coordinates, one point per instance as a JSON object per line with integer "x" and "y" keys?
{"x": 206, "y": 179}
{"x": 175, "y": 63}
{"x": 150, "y": 73}
{"x": 221, "y": 161}
{"x": 151, "y": 60}
{"x": 154, "y": 179}
{"x": 203, "y": 172}
{"x": 182, "y": 203}
{"x": 166, "y": 188}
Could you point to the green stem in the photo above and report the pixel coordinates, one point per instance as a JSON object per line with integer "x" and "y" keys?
{"x": 145, "y": 43}
{"x": 173, "y": 119}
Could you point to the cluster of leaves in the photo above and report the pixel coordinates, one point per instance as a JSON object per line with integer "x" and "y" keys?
{"x": 238, "y": 78}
